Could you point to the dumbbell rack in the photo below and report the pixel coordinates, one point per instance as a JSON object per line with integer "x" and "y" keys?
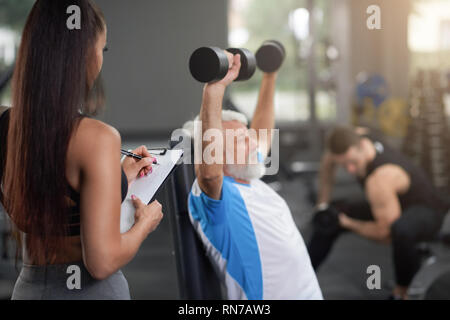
{"x": 427, "y": 141}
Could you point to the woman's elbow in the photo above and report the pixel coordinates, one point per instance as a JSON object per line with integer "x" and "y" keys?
{"x": 99, "y": 274}
{"x": 99, "y": 269}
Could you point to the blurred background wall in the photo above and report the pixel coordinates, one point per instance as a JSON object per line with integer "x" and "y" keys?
{"x": 149, "y": 88}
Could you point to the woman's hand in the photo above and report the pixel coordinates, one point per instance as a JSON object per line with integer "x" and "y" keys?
{"x": 134, "y": 168}
{"x": 149, "y": 216}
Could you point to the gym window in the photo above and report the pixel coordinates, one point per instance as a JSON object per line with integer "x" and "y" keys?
{"x": 251, "y": 22}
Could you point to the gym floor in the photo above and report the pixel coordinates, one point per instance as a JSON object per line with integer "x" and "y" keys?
{"x": 152, "y": 273}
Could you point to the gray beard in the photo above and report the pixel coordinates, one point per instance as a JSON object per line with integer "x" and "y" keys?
{"x": 246, "y": 172}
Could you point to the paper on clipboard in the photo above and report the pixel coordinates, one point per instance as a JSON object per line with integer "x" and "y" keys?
{"x": 145, "y": 188}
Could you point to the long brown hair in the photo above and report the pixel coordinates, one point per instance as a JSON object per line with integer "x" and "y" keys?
{"x": 49, "y": 88}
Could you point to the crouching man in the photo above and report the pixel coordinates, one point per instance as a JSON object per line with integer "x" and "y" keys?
{"x": 402, "y": 207}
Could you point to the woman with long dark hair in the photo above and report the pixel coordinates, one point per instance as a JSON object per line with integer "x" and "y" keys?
{"x": 62, "y": 179}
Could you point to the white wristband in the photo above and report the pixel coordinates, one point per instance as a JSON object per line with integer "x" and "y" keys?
{"x": 322, "y": 206}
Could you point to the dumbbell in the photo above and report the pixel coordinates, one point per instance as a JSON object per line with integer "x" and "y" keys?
{"x": 210, "y": 64}
{"x": 326, "y": 220}
{"x": 270, "y": 56}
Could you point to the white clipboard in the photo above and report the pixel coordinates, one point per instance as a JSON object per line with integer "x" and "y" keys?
{"x": 145, "y": 188}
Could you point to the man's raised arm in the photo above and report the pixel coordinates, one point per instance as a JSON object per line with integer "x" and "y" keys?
{"x": 264, "y": 115}
{"x": 210, "y": 175}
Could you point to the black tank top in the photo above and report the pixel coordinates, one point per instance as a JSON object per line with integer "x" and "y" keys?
{"x": 421, "y": 191}
{"x": 73, "y": 224}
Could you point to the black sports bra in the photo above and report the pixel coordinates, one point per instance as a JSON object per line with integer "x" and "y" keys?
{"x": 73, "y": 226}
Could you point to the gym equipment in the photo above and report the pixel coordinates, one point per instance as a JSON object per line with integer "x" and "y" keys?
{"x": 210, "y": 64}
{"x": 428, "y": 135}
{"x": 248, "y": 63}
{"x": 197, "y": 279}
{"x": 432, "y": 281}
{"x": 326, "y": 219}
{"x": 270, "y": 56}
{"x": 393, "y": 117}
{"x": 373, "y": 87}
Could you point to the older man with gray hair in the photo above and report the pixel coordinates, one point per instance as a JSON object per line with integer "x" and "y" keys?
{"x": 247, "y": 229}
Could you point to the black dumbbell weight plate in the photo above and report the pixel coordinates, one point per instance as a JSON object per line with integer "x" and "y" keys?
{"x": 326, "y": 221}
{"x": 208, "y": 64}
{"x": 270, "y": 56}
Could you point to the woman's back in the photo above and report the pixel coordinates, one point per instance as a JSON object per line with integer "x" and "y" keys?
{"x": 77, "y": 153}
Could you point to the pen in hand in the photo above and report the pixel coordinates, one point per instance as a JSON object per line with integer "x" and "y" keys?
{"x": 136, "y": 156}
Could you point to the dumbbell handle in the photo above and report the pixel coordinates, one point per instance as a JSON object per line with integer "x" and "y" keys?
{"x": 248, "y": 63}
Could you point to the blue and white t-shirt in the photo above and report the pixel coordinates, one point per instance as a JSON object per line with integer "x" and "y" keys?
{"x": 253, "y": 242}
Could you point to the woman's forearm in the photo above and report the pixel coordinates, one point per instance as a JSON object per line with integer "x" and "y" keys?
{"x": 130, "y": 242}
{"x": 115, "y": 254}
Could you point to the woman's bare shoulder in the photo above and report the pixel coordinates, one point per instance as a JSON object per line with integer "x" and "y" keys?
{"x": 94, "y": 136}
{"x": 89, "y": 127}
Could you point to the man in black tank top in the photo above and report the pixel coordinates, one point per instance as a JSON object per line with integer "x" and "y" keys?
{"x": 403, "y": 207}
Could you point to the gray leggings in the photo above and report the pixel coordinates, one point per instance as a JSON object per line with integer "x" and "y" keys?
{"x": 52, "y": 282}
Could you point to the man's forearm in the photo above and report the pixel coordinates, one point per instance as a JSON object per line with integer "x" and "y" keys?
{"x": 211, "y": 118}
{"x": 369, "y": 229}
{"x": 264, "y": 115}
{"x": 326, "y": 179}
{"x": 325, "y": 187}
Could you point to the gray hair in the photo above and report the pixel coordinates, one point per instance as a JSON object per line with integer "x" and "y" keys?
{"x": 227, "y": 115}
